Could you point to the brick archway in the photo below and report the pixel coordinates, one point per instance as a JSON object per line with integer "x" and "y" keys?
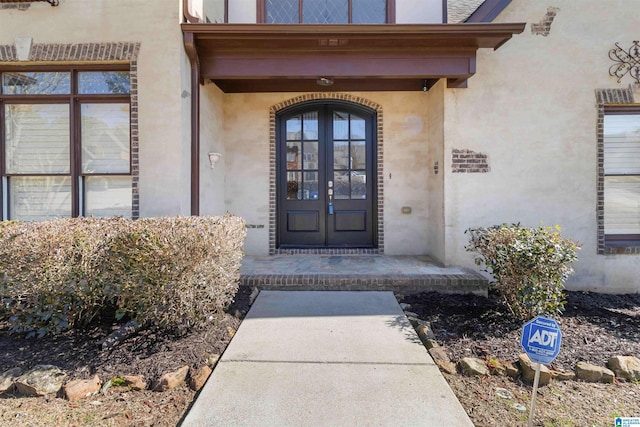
{"x": 329, "y": 96}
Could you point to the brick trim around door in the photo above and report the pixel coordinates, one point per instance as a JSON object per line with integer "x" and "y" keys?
{"x": 273, "y": 111}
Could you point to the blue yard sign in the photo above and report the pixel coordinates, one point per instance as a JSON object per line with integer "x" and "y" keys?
{"x": 541, "y": 338}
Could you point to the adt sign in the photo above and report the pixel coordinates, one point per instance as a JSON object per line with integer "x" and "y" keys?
{"x": 541, "y": 338}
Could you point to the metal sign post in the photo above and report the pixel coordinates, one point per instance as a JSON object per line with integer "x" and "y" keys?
{"x": 535, "y": 393}
{"x": 541, "y": 338}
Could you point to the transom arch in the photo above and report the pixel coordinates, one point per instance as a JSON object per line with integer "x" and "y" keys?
{"x": 347, "y": 100}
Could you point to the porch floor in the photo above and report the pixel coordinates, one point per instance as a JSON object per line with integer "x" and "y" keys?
{"x": 400, "y": 274}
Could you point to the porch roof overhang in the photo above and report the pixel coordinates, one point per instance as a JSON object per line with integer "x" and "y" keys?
{"x": 291, "y": 58}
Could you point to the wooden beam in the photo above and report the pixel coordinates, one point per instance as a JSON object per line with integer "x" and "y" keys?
{"x": 337, "y": 65}
{"x": 310, "y": 85}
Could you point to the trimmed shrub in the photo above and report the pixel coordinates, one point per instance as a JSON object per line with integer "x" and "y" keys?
{"x": 173, "y": 273}
{"x": 529, "y": 266}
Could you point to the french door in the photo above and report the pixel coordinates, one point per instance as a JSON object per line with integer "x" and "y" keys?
{"x": 326, "y": 177}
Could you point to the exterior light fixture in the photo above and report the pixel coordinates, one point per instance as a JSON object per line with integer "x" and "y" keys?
{"x": 324, "y": 81}
{"x": 213, "y": 159}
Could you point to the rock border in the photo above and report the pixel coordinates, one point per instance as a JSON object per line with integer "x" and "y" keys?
{"x": 619, "y": 368}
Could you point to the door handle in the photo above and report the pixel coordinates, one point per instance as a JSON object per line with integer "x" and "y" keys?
{"x": 330, "y": 193}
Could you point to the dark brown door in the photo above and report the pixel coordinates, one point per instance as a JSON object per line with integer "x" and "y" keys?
{"x": 325, "y": 176}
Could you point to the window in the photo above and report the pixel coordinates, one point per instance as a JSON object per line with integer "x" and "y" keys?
{"x": 327, "y": 11}
{"x": 65, "y": 146}
{"x": 621, "y": 136}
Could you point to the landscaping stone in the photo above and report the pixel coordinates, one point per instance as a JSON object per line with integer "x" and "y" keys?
{"x": 172, "y": 379}
{"x": 254, "y": 294}
{"x": 410, "y": 314}
{"x": 593, "y": 374}
{"x": 212, "y": 360}
{"x": 511, "y": 370}
{"x": 7, "y": 378}
{"x": 404, "y": 306}
{"x": 78, "y": 389}
{"x": 415, "y": 322}
{"x": 41, "y": 380}
{"x": 528, "y": 370}
{"x": 135, "y": 382}
{"x": 627, "y": 367}
{"x": 471, "y": 366}
{"x": 199, "y": 377}
{"x": 496, "y": 367}
{"x": 563, "y": 375}
{"x": 426, "y": 336}
{"x": 441, "y": 358}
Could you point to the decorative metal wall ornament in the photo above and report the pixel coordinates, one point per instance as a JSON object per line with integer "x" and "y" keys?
{"x": 51, "y": 2}
{"x": 626, "y": 62}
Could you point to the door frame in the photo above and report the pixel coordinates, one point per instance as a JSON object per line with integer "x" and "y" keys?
{"x": 336, "y": 99}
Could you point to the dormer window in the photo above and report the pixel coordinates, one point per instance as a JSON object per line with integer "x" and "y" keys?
{"x": 327, "y": 11}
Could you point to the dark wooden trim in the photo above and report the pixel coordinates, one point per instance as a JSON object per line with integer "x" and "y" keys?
{"x": 319, "y": 38}
{"x": 3, "y": 159}
{"x": 391, "y": 11}
{"x": 460, "y": 83}
{"x": 32, "y": 67}
{"x": 75, "y": 151}
{"x": 260, "y": 12}
{"x": 445, "y": 12}
{"x": 188, "y": 16}
{"x": 354, "y": 55}
{"x": 226, "y": 11}
{"x": 312, "y": 66}
{"x": 190, "y": 48}
{"x": 310, "y": 85}
{"x": 488, "y": 11}
{"x": 613, "y": 238}
{"x": 622, "y": 109}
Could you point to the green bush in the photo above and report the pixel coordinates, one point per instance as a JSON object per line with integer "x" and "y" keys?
{"x": 529, "y": 266}
{"x": 173, "y": 273}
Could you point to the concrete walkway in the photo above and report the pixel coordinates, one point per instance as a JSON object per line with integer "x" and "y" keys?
{"x": 326, "y": 359}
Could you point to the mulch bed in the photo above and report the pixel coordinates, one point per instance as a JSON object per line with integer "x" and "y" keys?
{"x": 149, "y": 353}
{"x": 594, "y": 326}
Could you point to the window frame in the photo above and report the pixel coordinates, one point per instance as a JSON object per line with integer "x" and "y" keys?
{"x": 615, "y": 240}
{"x": 262, "y": 13}
{"x": 74, "y": 100}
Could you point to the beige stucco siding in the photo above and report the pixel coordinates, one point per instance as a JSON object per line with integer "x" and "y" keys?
{"x": 246, "y": 140}
{"x": 436, "y": 170}
{"x": 531, "y": 109}
{"x": 212, "y": 180}
{"x": 163, "y": 82}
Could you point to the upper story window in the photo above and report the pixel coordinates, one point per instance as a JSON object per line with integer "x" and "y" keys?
{"x": 327, "y": 11}
{"x": 65, "y": 145}
{"x": 621, "y": 135}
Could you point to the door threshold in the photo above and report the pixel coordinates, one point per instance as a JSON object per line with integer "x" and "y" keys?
{"x": 327, "y": 251}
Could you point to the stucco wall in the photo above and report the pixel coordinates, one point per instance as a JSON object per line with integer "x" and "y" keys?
{"x": 531, "y": 109}
{"x": 246, "y": 133}
{"x": 212, "y": 181}
{"x": 162, "y": 71}
{"x": 436, "y": 170}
